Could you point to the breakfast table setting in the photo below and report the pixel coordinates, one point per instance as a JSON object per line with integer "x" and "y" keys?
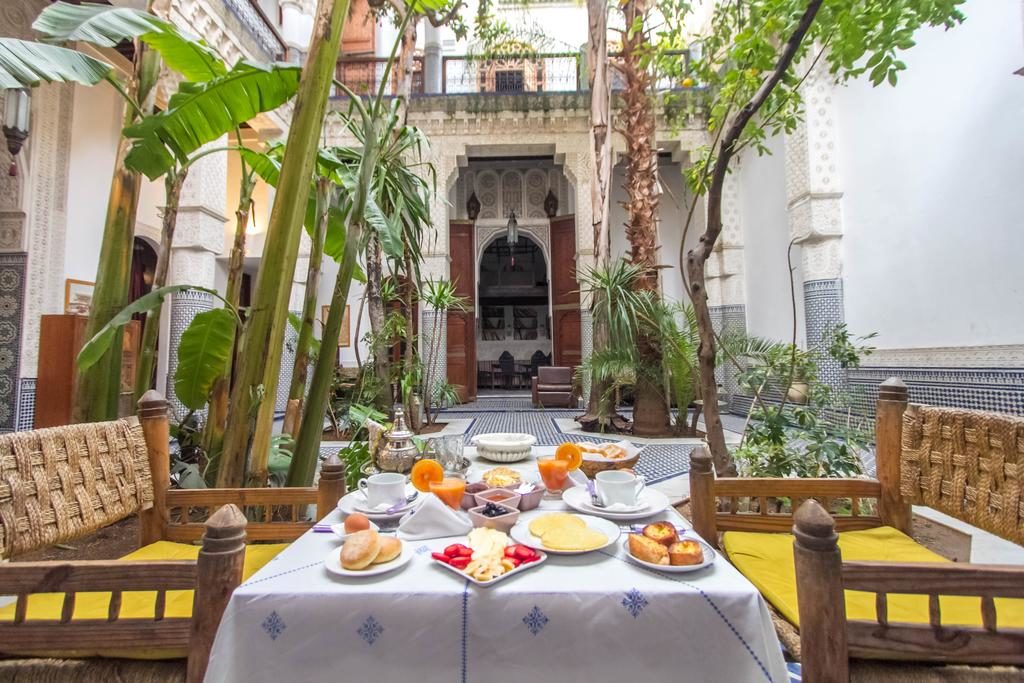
{"x": 500, "y": 566}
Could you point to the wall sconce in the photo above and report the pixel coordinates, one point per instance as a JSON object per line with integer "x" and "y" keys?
{"x": 17, "y": 110}
{"x": 472, "y": 207}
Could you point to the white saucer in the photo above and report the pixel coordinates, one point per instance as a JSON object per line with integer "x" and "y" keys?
{"x": 350, "y": 503}
{"x": 333, "y": 563}
{"x": 339, "y": 530}
{"x": 651, "y": 503}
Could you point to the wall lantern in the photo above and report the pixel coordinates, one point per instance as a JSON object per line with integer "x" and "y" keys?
{"x": 472, "y": 207}
{"x": 17, "y": 107}
{"x": 551, "y": 205}
{"x": 512, "y": 236}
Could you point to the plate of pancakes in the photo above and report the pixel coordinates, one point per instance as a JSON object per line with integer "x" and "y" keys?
{"x": 368, "y": 553}
{"x": 564, "y": 533}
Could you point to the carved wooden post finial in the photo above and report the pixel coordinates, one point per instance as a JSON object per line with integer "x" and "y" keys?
{"x": 331, "y": 486}
{"x": 892, "y": 403}
{"x": 219, "y": 573}
{"x": 703, "y": 503}
{"x": 157, "y": 431}
{"x": 820, "y": 598}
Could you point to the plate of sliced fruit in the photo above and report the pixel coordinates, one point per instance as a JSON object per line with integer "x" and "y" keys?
{"x": 487, "y": 557}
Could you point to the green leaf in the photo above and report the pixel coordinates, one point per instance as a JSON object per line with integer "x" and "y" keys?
{"x": 25, "y": 64}
{"x": 389, "y": 232}
{"x": 203, "y": 354}
{"x": 94, "y": 349}
{"x": 266, "y": 167}
{"x": 107, "y": 26}
{"x": 201, "y": 112}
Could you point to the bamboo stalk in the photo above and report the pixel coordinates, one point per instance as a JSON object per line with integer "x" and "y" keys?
{"x": 263, "y": 339}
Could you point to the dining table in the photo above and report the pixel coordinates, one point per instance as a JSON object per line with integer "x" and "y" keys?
{"x": 590, "y": 617}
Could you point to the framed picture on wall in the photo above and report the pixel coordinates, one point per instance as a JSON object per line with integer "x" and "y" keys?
{"x": 344, "y": 339}
{"x": 77, "y": 296}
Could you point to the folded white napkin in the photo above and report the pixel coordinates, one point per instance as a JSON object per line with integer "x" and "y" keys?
{"x": 433, "y": 519}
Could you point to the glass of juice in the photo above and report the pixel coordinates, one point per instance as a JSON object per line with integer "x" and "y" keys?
{"x": 449, "y": 490}
{"x": 554, "y": 473}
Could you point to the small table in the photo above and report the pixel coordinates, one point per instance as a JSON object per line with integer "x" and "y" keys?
{"x": 594, "y": 617}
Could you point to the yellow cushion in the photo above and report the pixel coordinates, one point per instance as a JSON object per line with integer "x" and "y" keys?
{"x": 767, "y": 560}
{"x": 136, "y": 604}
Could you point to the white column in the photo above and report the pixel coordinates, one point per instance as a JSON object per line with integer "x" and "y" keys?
{"x": 432, "y": 59}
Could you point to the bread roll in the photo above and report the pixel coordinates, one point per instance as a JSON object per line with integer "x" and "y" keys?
{"x": 390, "y": 548}
{"x": 685, "y": 553}
{"x": 661, "y": 532}
{"x": 643, "y": 548}
{"x": 360, "y": 550}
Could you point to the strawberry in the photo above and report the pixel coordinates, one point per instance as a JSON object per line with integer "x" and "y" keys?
{"x": 515, "y": 561}
{"x": 457, "y": 550}
{"x": 441, "y": 557}
{"x": 459, "y": 562}
{"x": 525, "y": 554}
{"x": 465, "y": 551}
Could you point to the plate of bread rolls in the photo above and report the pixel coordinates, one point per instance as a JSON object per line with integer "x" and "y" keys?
{"x": 368, "y": 553}
{"x": 659, "y": 547}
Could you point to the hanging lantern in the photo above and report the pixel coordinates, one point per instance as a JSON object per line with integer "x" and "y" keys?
{"x": 472, "y": 207}
{"x": 551, "y": 205}
{"x": 512, "y": 236}
{"x": 17, "y": 107}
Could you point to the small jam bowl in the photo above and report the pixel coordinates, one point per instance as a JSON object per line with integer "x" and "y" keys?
{"x": 530, "y": 500}
{"x": 502, "y": 522}
{"x": 502, "y": 496}
{"x": 469, "y": 497}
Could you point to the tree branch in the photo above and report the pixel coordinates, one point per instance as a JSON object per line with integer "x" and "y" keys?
{"x": 438, "y": 22}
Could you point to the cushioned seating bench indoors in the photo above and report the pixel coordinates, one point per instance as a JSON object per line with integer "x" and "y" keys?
{"x": 902, "y": 601}
{"x": 161, "y": 602}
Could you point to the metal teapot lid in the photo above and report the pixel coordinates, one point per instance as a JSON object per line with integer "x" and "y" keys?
{"x": 399, "y": 431}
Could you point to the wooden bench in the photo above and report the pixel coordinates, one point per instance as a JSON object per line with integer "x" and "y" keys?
{"x": 62, "y": 483}
{"x": 966, "y": 464}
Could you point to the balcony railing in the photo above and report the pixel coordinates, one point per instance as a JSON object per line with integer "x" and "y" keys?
{"x": 505, "y": 74}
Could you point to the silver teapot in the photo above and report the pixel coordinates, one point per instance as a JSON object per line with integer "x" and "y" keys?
{"x": 399, "y": 453}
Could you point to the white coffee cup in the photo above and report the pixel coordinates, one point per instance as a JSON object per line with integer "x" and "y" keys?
{"x": 617, "y": 486}
{"x": 386, "y": 488}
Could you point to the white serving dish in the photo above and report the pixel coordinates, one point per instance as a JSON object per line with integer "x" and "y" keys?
{"x": 709, "y": 559}
{"x": 484, "y": 584}
{"x": 333, "y": 563}
{"x": 631, "y": 452}
{"x": 653, "y": 501}
{"x": 520, "y": 533}
{"x": 504, "y": 446}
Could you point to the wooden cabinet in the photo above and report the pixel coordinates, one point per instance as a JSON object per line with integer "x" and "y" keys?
{"x": 60, "y": 339}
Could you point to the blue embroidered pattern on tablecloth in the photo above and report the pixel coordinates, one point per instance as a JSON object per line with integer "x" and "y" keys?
{"x": 634, "y": 602}
{"x": 535, "y": 620}
{"x": 274, "y": 625}
{"x": 370, "y": 630}
{"x": 423, "y": 549}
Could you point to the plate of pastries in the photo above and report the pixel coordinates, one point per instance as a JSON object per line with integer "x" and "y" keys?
{"x": 368, "y": 553}
{"x": 564, "y": 533}
{"x": 658, "y": 546}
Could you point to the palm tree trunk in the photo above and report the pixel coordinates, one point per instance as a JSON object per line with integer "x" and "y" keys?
{"x": 377, "y": 314}
{"x": 409, "y": 354}
{"x": 638, "y": 127}
{"x": 259, "y": 364}
{"x": 217, "y": 417}
{"x": 151, "y": 332}
{"x": 97, "y": 389}
{"x": 297, "y": 391}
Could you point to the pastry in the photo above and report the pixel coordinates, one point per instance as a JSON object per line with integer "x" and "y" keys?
{"x": 661, "y": 532}
{"x": 390, "y": 548}
{"x": 502, "y": 476}
{"x": 643, "y": 548}
{"x": 685, "y": 552}
{"x": 545, "y": 523}
{"x": 360, "y": 550}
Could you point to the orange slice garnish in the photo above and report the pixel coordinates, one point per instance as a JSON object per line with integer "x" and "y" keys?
{"x": 424, "y": 472}
{"x": 571, "y": 453}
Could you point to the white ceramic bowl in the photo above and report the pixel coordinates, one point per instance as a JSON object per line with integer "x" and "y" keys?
{"x": 504, "y": 447}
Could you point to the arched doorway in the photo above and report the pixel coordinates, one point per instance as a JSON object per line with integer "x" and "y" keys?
{"x": 514, "y": 297}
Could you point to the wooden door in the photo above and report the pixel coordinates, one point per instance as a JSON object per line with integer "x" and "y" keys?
{"x": 357, "y": 37}
{"x": 565, "y": 294}
{"x": 462, "y": 324}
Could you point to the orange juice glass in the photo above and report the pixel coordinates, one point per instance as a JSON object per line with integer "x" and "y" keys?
{"x": 450, "y": 491}
{"x": 553, "y": 472}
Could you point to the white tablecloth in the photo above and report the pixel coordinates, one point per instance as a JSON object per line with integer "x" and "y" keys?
{"x": 594, "y": 617}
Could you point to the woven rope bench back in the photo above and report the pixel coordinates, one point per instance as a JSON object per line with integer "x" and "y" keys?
{"x": 60, "y": 483}
{"x": 967, "y": 464}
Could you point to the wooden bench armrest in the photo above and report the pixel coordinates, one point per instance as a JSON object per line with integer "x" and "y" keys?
{"x": 796, "y": 488}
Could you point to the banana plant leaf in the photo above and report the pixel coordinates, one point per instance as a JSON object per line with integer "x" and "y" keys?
{"x": 107, "y": 26}
{"x": 24, "y": 64}
{"x": 94, "y": 349}
{"x": 203, "y": 354}
{"x": 201, "y": 112}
